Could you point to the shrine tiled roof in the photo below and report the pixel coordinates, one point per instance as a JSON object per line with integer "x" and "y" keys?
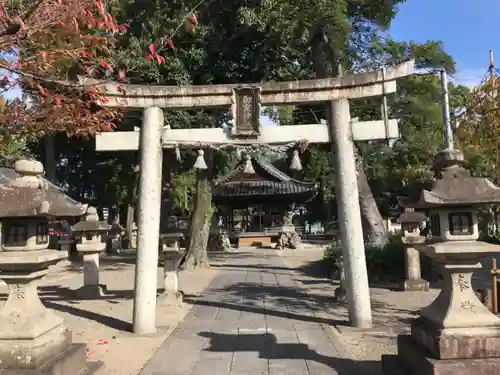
{"x": 266, "y": 181}
{"x": 255, "y": 188}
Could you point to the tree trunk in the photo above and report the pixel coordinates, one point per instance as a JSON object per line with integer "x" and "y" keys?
{"x": 326, "y": 64}
{"x": 377, "y": 232}
{"x": 199, "y": 230}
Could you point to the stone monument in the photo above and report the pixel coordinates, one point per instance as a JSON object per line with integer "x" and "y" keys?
{"x": 456, "y": 334}
{"x": 91, "y": 245}
{"x": 411, "y": 222}
{"x": 33, "y": 340}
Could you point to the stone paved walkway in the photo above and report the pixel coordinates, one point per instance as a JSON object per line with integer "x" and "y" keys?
{"x": 247, "y": 322}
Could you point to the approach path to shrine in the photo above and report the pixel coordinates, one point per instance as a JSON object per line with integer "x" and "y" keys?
{"x": 254, "y": 318}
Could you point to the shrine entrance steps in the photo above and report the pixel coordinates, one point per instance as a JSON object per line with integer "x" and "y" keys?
{"x": 247, "y": 322}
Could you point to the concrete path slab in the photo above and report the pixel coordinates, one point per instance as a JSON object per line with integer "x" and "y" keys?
{"x": 247, "y": 322}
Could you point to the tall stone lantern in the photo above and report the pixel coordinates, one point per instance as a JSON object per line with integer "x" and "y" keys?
{"x": 33, "y": 340}
{"x": 456, "y": 334}
{"x": 411, "y": 223}
{"x": 91, "y": 245}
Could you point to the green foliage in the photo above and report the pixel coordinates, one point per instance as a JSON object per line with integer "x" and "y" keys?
{"x": 384, "y": 264}
{"x": 183, "y": 191}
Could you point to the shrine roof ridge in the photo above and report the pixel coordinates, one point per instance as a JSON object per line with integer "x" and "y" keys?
{"x": 355, "y": 85}
{"x": 268, "y": 167}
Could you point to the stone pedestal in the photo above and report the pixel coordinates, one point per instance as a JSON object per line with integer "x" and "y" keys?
{"x": 91, "y": 287}
{"x": 288, "y": 237}
{"x": 414, "y": 281}
{"x": 171, "y": 295}
{"x": 33, "y": 340}
{"x": 456, "y": 334}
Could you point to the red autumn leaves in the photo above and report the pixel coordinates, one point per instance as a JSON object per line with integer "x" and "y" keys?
{"x": 91, "y": 33}
{"x": 154, "y": 49}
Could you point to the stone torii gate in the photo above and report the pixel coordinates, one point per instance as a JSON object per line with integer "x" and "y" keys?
{"x": 245, "y": 101}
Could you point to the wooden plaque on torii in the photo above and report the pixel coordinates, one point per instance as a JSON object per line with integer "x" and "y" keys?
{"x": 246, "y": 111}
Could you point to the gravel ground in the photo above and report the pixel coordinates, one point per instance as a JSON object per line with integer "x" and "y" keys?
{"x": 391, "y": 310}
{"x": 104, "y": 324}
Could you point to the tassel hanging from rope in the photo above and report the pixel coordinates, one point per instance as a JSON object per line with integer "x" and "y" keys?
{"x": 248, "y": 165}
{"x": 200, "y": 161}
{"x": 178, "y": 153}
{"x": 295, "y": 164}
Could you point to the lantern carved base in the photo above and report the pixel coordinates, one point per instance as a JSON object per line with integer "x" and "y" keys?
{"x": 34, "y": 340}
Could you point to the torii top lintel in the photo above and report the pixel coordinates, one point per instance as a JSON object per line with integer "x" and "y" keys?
{"x": 351, "y": 86}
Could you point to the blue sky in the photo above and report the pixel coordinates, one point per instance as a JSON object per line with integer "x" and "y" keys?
{"x": 469, "y": 29}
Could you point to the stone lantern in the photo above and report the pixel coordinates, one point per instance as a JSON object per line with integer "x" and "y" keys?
{"x": 33, "y": 340}
{"x": 91, "y": 245}
{"x": 172, "y": 255}
{"x": 456, "y": 333}
{"x": 116, "y": 234}
{"x": 411, "y": 223}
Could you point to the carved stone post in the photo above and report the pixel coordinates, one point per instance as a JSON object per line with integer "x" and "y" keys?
{"x": 410, "y": 224}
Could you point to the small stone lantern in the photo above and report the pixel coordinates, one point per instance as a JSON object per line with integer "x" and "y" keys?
{"x": 411, "y": 223}
{"x": 33, "y": 340}
{"x": 91, "y": 245}
{"x": 171, "y": 295}
{"x": 133, "y": 236}
{"x": 456, "y": 333}
{"x": 116, "y": 234}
